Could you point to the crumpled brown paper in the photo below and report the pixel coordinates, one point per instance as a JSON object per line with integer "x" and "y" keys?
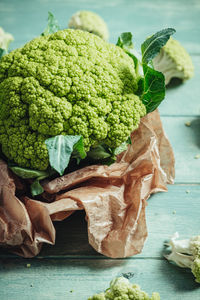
{"x": 113, "y": 197}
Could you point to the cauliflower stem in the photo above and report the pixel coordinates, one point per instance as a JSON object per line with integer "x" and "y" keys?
{"x": 174, "y": 62}
{"x": 185, "y": 253}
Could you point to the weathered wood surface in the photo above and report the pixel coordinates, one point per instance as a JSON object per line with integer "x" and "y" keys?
{"x": 74, "y": 279}
{"x": 183, "y": 99}
{"x": 72, "y": 269}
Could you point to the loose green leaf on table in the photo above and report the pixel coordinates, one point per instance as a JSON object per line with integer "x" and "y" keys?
{"x": 61, "y": 148}
{"x": 52, "y": 25}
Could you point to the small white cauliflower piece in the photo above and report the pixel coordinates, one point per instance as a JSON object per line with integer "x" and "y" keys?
{"x": 5, "y": 39}
{"x": 186, "y": 253}
{"x": 174, "y": 62}
{"x": 91, "y": 22}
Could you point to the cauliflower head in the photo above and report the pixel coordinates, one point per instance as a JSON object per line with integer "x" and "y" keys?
{"x": 174, "y": 61}
{"x": 69, "y": 83}
{"x": 121, "y": 289}
{"x": 91, "y": 22}
{"x": 5, "y": 39}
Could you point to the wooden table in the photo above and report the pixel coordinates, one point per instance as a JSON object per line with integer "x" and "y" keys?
{"x": 72, "y": 269}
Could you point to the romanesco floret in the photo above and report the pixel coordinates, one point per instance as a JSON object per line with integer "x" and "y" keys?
{"x": 91, "y": 22}
{"x": 121, "y": 289}
{"x": 5, "y": 39}
{"x": 186, "y": 254}
{"x": 67, "y": 83}
{"x": 174, "y": 61}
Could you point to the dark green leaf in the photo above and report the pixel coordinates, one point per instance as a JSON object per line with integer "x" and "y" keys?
{"x": 25, "y": 173}
{"x": 98, "y": 153}
{"x": 52, "y": 25}
{"x": 151, "y": 46}
{"x": 2, "y": 156}
{"x": 109, "y": 161}
{"x": 36, "y": 188}
{"x": 1, "y": 52}
{"x": 28, "y": 173}
{"x": 105, "y": 154}
{"x": 140, "y": 89}
{"x": 60, "y": 150}
{"x": 135, "y": 60}
{"x": 154, "y": 88}
{"x": 129, "y": 142}
{"x": 121, "y": 148}
{"x": 125, "y": 40}
{"x": 79, "y": 150}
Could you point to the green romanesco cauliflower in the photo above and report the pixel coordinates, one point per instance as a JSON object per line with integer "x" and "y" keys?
{"x": 67, "y": 83}
{"x": 121, "y": 289}
{"x": 5, "y": 39}
{"x": 186, "y": 253}
{"x": 91, "y": 22}
{"x": 174, "y": 61}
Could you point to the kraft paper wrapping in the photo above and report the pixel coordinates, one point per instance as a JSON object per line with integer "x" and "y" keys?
{"x": 114, "y": 198}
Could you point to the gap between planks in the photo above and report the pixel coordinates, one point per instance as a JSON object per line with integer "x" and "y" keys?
{"x": 74, "y": 257}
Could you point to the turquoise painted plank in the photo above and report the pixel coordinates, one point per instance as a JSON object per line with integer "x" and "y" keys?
{"x": 183, "y": 99}
{"x": 186, "y": 145}
{"x": 176, "y": 210}
{"x": 166, "y": 213}
{"x": 77, "y": 279}
{"x": 26, "y": 19}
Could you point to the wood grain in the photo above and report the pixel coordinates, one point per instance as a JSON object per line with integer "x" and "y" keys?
{"x": 186, "y": 145}
{"x": 183, "y": 99}
{"x": 76, "y": 279}
{"x": 72, "y": 269}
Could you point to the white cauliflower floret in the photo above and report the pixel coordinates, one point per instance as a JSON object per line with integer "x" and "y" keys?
{"x": 91, "y": 22}
{"x": 5, "y": 39}
{"x": 174, "y": 62}
{"x": 186, "y": 253}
